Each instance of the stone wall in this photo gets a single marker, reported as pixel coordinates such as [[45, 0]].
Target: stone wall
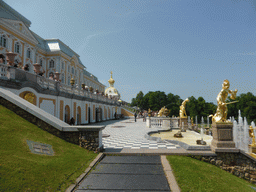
[[239, 164], [91, 137]]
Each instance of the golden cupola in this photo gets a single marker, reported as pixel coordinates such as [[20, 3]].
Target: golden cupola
[[111, 91], [111, 81]]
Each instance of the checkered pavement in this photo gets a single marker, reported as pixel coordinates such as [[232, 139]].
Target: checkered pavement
[[131, 135]]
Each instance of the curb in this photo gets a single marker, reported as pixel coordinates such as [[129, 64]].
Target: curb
[[87, 170], [169, 175]]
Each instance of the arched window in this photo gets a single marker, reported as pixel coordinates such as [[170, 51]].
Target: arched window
[[3, 41], [28, 53], [17, 47], [51, 65], [72, 70], [62, 65], [68, 68]]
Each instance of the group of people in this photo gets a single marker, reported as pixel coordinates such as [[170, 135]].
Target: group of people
[[143, 115]]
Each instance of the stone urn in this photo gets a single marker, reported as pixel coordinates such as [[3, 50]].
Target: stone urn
[[37, 68], [10, 58], [57, 76]]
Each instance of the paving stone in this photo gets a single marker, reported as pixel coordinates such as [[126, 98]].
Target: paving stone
[[127, 182], [132, 159], [128, 169]]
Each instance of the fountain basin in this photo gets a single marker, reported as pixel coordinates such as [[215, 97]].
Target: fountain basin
[[188, 141]]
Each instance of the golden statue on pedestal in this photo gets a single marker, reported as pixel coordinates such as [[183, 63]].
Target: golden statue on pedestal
[[183, 113], [251, 134], [222, 110]]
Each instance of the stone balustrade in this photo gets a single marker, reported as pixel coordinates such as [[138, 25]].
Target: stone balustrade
[[19, 75], [162, 122]]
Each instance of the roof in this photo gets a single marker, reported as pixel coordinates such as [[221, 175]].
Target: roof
[[9, 13]]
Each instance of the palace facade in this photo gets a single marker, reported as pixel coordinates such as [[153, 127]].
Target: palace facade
[[75, 94], [52, 54]]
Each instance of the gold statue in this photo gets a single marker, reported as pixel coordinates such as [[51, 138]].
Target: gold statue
[[251, 134], [192, 122], [222, 110], [183, 113], [163, 111], [149, 112]]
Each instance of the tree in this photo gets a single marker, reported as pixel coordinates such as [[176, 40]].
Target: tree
[[173, 104]]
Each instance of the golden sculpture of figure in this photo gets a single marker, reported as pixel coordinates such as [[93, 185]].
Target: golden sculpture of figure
[[183, 113], [222, 110], [251, 134], [192, 121], [149, 112], [163, 111]]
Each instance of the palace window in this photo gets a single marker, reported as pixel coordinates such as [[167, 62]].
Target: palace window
[[41, 62], [69, 69], [28, 53], [75, 72], [62, 65], [51, 65], [3, 41], [72, 70], [17, 47]]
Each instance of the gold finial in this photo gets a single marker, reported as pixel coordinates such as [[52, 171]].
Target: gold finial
[[111, 73]]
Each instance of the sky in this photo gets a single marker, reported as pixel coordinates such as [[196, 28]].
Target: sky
[[183, 47]]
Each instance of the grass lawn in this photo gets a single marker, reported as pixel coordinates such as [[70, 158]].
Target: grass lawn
[[21, 170], [195, 175]]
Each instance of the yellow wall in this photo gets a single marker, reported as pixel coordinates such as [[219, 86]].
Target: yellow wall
[[126, 113]]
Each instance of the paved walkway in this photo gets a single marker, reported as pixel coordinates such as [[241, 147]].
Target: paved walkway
[[126, 173], [127, 134]]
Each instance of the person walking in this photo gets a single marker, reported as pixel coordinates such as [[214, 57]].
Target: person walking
[[135, 116]]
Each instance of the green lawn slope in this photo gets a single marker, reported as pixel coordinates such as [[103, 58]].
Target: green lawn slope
[[21, 170], [195, 175]]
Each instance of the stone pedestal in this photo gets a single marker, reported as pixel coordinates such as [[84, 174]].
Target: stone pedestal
[[223, 138], [166, 124], [185, 120]]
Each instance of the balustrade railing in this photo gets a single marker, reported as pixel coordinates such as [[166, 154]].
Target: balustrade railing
[[21, 75], [3, 71]]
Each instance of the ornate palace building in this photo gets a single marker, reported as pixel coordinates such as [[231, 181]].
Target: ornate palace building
[[49, 74], [52, 54]]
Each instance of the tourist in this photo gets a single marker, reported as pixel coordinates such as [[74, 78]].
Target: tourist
[[135, 116], [72, 121], [26, 67]]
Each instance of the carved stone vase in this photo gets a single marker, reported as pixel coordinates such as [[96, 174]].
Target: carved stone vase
[[57, 76], [37, 68], [10, 58]]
